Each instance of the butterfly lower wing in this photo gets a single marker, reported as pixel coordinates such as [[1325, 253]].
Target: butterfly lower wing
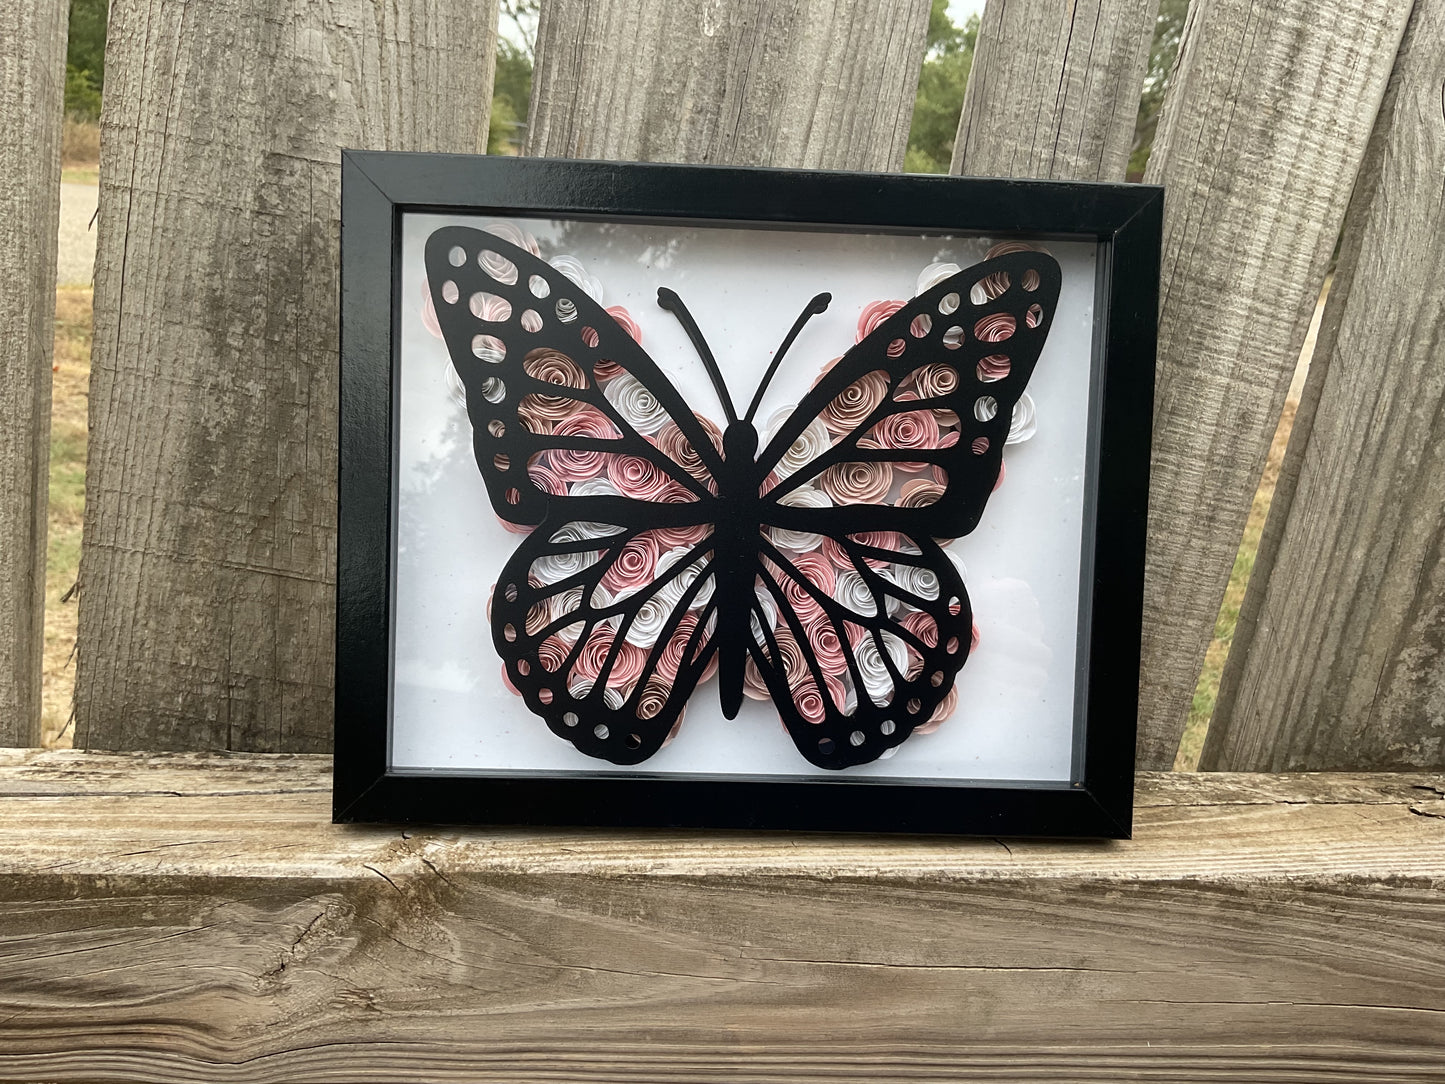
[[541, 363], [856, 666], [927, 396], [606, 649]]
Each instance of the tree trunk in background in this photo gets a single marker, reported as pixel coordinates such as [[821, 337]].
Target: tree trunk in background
[[1054, 90], [1337, 658], [208, 567], [807, 83], [32, 99], [1265, 122]]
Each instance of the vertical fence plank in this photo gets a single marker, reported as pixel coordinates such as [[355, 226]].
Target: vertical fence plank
[[1339, 657], [813, 83], [1054, 90], [32, 96], [1263, 129], [208, 580]]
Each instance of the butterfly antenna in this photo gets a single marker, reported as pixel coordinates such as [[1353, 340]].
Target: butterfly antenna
[[673, 304], [818, 305]]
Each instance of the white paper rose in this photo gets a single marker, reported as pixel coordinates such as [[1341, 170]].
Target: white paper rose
[[572, 267], [675, 588], [933, 274], [808, 446], [877, 680], [635, 403], [1022, 425], [800, 541]]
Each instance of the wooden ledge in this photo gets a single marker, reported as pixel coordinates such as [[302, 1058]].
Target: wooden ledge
[[181, 917]]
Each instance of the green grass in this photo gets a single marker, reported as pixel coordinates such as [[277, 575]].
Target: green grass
[[69, 399]]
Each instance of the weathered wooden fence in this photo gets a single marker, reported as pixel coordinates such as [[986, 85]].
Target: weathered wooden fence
[[195, 917]]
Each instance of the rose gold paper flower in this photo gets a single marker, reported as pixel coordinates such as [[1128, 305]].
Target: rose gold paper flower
[[945, 708], [921, 625], [919, 493], [995, 328], [653, 699], [627, 664], [933, 381], [573, 465], [628, 324], [826, 368], [669, 538], [818, 570], [827, 647], [754, 687], [855, 402], [553, 651], [999, 480], [809, 700], [857, 483], [633, 566], [513, 235], [994, 367], [673, 444]]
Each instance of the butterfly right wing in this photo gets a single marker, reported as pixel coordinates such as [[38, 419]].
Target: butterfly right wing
[[606, 631], [865, 645], [545, 368]]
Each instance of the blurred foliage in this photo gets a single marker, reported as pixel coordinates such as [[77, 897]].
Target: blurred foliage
[[941, 84], [511, 92], [1168, 30], [85, 58]]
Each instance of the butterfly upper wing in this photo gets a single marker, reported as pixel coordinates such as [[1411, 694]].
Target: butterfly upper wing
[[530, 345], [609, 671], [953, 331]]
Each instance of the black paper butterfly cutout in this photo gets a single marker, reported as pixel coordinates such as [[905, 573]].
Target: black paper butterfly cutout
[[506, 315]]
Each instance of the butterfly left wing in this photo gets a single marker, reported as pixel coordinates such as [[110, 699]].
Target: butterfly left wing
[[605, 631]]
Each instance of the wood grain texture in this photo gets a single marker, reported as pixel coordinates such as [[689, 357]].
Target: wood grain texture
[[1054, 90], [208, 570], [190, 918], [811, 83], [1337, 659], [32, 96], [1263, 128]]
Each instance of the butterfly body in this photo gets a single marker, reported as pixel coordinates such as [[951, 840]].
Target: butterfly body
[[650, 568]]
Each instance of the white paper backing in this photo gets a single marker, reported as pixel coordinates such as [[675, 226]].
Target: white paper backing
[[1015, 718]]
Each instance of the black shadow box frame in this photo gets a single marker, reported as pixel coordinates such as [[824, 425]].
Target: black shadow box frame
[[1123, 221]]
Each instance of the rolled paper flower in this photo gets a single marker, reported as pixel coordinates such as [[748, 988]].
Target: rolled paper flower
[[1023, 425], [995, 328], [854, 403], [907, 431], [873, 314], [877, 680], [754, 688], [638, 406], [921, 625], [945, 708], [1008, 248], [673, 656], [490, 307], [769, 609], [806, 447], [627, 663], [552, 653], [601, 486], [827, 646], [555, 567], [850, 591], [957, 564], [498, 267], [818, 570], [637, 477], [808, 699], [514, 235], [857, 483], [544, 478], [999, 480], [572, 267], [552, 368], [507, 681], [933, 274], [918, 580], [429, 311], [627, 323], [632, 566], [456, 390], [919, 493], [884, 540], [652, 700], [973, 639], [612, 697], [673, 444], [573, 464], [791, 655], [649, 621], [564, 604], [933, 381], [826, 368], [516, 528], [804, 605], [994, 367], [675, 588], [684, 537], [800, 541]]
